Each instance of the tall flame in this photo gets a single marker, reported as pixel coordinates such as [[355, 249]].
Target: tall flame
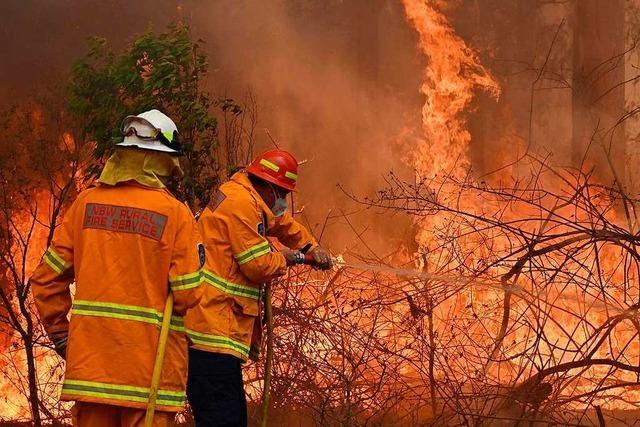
[[451, 79]]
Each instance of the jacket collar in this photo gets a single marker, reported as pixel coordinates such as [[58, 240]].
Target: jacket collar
[[242, 179]]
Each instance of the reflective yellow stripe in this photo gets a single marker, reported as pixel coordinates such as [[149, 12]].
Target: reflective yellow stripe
[[218, 341], [121, 392], [177, 324], [55, 261], [254, 255], [57, 257], [124, 312], [291, 175], [187, 281], [270, 165], [253, 252], [229, 287]]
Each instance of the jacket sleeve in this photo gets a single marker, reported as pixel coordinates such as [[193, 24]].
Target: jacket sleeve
[[187, 259], [291, 233], [252, 250], [52, 278]]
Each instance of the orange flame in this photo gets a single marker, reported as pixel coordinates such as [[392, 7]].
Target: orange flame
[[453, 75], [451, 79]]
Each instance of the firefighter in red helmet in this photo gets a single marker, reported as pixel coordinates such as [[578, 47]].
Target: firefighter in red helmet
[[225, 328]]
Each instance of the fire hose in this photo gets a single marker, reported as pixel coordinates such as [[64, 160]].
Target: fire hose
[[157, 367]]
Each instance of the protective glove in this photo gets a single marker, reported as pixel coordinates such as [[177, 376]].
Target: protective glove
[[292, 257], [60, 345], [321, 258]]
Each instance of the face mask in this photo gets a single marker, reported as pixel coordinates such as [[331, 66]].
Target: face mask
[[280, 205]]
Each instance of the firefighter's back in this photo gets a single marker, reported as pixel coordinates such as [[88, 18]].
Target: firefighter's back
[[123, 240], [126, 244]]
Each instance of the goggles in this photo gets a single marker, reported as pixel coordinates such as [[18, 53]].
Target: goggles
[[169, 139]]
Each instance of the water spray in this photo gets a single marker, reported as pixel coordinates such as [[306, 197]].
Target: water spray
[[416, 274]]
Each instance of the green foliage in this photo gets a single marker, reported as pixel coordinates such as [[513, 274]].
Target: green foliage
[[162, 71]]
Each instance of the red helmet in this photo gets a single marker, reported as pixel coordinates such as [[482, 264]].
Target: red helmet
[[278, 167]]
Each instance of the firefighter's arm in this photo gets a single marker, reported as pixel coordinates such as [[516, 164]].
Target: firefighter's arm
[[51, 281], [187, 259], [291, 233], [251, 250]]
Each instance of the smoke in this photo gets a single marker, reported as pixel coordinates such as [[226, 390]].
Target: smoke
[[40, 39], [336, 82], [565, 79]]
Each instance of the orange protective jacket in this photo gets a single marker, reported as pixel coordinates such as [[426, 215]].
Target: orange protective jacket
[[239, 259], [125, 259]]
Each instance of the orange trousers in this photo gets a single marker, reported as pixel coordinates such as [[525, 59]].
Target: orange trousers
[[97, 415]]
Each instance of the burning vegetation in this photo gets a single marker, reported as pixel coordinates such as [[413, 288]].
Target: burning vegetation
[[514, 302]]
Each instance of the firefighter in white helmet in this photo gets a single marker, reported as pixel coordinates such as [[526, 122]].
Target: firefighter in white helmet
[[126, 243]]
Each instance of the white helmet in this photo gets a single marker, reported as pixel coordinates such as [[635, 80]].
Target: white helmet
[[151, 130]]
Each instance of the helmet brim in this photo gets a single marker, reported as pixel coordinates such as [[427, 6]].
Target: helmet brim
[[132, 141]]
